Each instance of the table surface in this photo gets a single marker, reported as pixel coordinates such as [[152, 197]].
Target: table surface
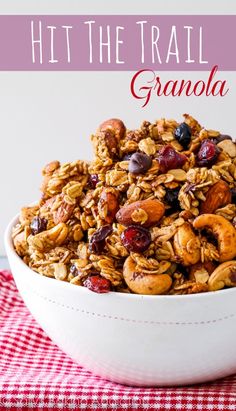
[[36, 374]]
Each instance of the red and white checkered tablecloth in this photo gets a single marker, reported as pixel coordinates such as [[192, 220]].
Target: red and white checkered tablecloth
[[35, 374]]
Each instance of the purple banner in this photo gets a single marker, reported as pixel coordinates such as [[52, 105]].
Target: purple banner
[[117, 42]]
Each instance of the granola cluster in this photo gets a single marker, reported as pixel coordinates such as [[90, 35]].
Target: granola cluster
[[154, 213]]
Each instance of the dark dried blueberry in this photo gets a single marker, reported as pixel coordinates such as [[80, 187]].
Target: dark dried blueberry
[[169, 159], [233, 192], [136, 238], [93, 180], [127, 157], [38, 225], [171, 195], [139, 163], [97, 284], [97, 241], [183, 270], [207, 154], [171, 198], [183, 135], [74, 270], [220, 138]]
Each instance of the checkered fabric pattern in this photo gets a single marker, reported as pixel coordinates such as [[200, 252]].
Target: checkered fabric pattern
[[35, 374]]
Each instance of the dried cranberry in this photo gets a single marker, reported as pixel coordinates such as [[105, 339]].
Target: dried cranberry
[[93, 180], [169, 159], [97, 284], [233, 192], [97, 241], [38, 225], [171, 198], [232, 276], [183, 135], [136, 238], [207, 154], [139, 163]]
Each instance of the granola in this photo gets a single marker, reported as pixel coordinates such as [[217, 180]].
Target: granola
[[153, 213]]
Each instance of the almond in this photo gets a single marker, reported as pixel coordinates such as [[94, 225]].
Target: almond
[[110, 141], [152, 210], [108, 205], [217, 196], [114, 124], [111, 131], [63, 213]]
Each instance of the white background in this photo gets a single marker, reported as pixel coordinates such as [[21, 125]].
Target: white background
[[50, 115]]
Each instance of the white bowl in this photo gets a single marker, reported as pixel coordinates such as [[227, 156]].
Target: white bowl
[[133, 339]]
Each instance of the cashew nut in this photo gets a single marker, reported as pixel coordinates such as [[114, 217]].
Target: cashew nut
[[49, 239], [223, 275], [223, 230], [187, 245], [148, 284]]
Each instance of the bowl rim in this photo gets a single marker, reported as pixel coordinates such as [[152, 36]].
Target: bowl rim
[[11, 250]]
